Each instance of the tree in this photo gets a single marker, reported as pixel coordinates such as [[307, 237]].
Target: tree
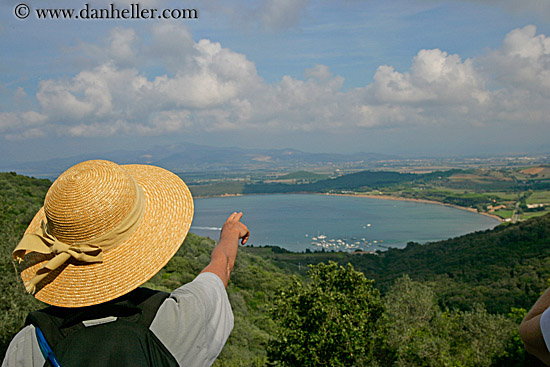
[[419, 333], [330, 321]]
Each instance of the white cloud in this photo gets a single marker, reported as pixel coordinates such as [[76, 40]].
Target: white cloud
[[87, 95], [8, 120], [209, 76], [97, 129], [32, 118], [16, 126], [435, 76], [167, 122], [111, 99], [205, 87], [523, 61], [122, 44]]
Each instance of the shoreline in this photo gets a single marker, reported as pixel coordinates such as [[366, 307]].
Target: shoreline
[[217, 196], [371, 196], [397, 198]]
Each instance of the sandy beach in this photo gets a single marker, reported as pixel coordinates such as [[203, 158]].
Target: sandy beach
[[390, 197]]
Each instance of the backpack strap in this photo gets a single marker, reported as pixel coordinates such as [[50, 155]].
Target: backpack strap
[[47, 352]]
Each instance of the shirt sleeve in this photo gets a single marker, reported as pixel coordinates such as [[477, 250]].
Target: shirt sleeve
[[24, 350], [195, 321], [545, 327]]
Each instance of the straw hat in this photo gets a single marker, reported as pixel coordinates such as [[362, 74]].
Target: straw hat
[[104, 230]]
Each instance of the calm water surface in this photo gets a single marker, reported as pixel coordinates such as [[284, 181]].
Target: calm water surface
[[299, 222]]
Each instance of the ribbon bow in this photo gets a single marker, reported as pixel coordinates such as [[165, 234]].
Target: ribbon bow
[[45, 243], [90, 251]]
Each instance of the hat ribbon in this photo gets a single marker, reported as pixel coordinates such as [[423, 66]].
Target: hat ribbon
[[90, 251]]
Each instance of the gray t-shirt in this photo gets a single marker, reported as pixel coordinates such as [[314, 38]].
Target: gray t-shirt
[[545, 327], [193, 323]]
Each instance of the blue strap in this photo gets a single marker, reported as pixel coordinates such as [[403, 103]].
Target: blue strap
[[47, 352]]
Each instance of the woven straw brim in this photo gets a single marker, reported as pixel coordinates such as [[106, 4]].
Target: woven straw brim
[[168, 216]]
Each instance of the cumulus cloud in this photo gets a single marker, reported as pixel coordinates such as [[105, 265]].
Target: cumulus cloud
[[119, 47], [209, 76], [434, 76], [204, 87], [522, 60], [202, 79]]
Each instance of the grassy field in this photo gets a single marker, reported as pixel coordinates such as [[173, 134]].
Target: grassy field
[[506, 196], [504, 214], [539, 197], [524, 216]]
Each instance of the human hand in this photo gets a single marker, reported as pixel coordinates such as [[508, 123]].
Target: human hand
[[233, 228]]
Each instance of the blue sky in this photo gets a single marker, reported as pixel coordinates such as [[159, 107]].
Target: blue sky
[[400, 77]]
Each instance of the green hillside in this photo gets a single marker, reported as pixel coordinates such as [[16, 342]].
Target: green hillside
[[303, 175], [502, 268]]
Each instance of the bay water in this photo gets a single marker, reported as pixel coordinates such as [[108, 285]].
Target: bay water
[[298, 222]]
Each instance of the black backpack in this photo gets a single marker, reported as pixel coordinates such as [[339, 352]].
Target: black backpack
[[114, 333]]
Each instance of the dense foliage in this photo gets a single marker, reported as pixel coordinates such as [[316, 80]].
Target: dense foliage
[[339, 319], [419, 333], [20, 199], [330, 321]]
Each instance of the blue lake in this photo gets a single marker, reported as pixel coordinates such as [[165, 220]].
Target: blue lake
[[299, 222]]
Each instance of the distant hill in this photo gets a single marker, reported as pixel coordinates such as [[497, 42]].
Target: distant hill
[[188, 157], [303, 175]]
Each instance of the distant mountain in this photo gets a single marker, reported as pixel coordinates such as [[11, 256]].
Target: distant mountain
[[188, 157], [200, 157]]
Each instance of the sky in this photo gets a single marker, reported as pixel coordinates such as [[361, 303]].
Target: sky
[[406, 77]]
